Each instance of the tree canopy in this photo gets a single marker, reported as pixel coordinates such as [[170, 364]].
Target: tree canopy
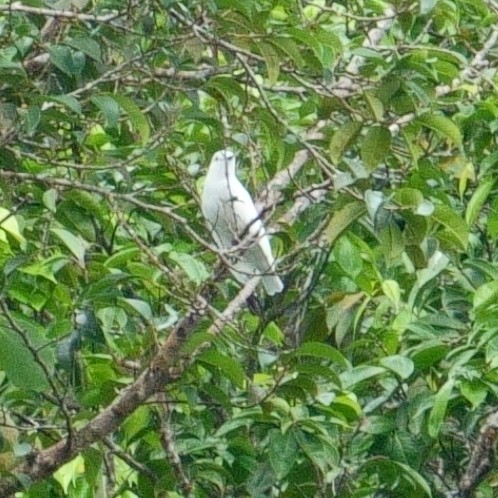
[[132, 364]]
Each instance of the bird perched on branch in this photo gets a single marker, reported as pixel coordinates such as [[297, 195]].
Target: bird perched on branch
[[234, 222]]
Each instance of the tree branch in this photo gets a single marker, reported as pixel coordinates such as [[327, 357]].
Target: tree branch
[[26, 9]]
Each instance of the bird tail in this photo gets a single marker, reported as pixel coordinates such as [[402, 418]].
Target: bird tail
[[272, 284]]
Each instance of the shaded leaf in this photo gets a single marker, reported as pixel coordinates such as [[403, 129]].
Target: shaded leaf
[[272, 61], [375, 146], [109, 108], [322, 351], [224, 365], [18, 361], [407, 481], [193, 267], [137, 117], [456, 230], [343, 139], [342, 219]]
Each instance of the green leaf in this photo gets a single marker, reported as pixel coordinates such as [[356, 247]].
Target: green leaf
[[402, 366], [226, 88], [86, 45], [234, 424], [32, 119], [197, 116], [75, 244], [456, 230], [9, 224], [290, 48], [136, 116], [322, 351], [348, 406], [241, 6], [46, 268], [197, 340], [34, 296], [228, 367], [379, 424], [429, 354], [477, 200], [368, 53], [342, 219], [403, 480], [436, 264], [106, 288], [283, 452], [318, 449], [260, 482], [109, 108], [392, 242], [343, 139], [121, 257], [70, 62], [426, 6], [348, 256], [408, 197], [193, 267], [486, 295], [67, 474], [392, 291], [442, 125], [438, 412], [375, 104], [329, 38], [89, 202], [304, 38], [50, 199], [67, 101], [141, 307], [375, 146], [16, 359], [474, 391], [137, 422], [360, 374], [274, 334], [272, 61]]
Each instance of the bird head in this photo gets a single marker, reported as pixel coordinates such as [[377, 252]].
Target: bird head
[[223, 164]]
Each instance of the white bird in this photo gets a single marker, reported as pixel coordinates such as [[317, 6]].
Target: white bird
[[233, 219]]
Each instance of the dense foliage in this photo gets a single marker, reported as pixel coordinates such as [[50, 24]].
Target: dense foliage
[[131, 364]]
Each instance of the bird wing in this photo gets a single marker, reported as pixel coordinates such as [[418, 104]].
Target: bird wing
[[234, 219], [250, 231]]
